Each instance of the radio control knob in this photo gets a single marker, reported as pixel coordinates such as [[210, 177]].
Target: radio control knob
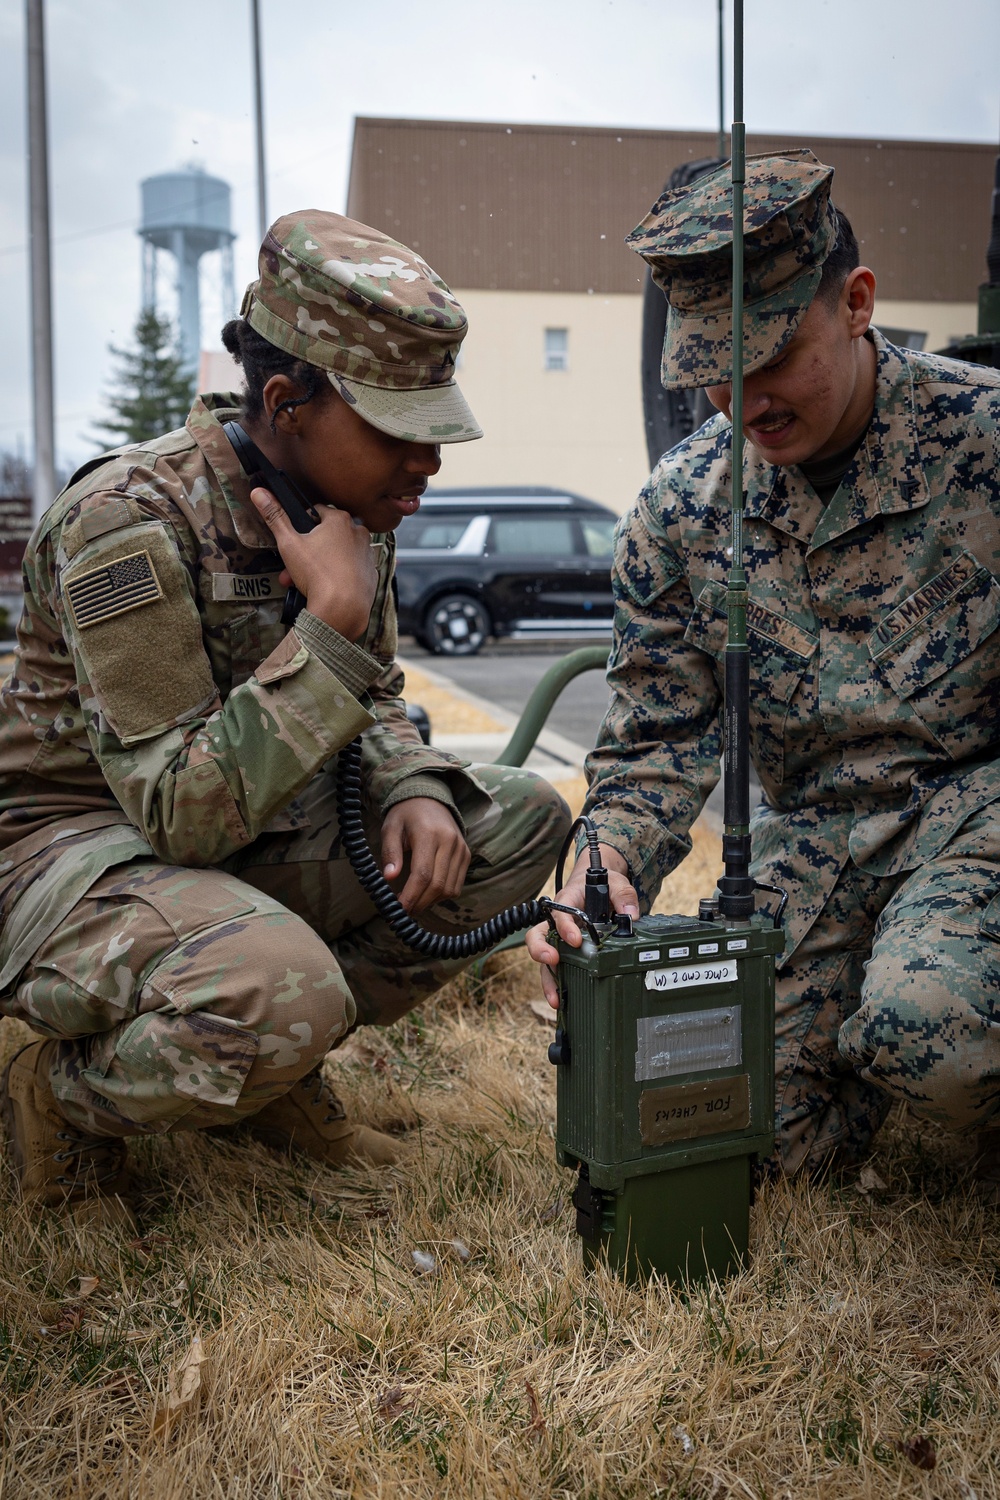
[[559, 1049]]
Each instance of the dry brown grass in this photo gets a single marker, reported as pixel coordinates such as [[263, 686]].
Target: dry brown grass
[[864, 1329], [861, 1342]]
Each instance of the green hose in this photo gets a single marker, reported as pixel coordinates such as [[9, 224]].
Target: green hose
[[539, 705], [529, 727]]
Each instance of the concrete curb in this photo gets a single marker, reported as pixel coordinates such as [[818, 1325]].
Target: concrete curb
[[554, 754]]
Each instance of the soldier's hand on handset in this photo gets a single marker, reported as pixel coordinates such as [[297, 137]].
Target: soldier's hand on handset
[[333, 565], [623, 898]]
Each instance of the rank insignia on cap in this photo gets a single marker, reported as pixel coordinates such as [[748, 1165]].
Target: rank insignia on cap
[[127, 583]]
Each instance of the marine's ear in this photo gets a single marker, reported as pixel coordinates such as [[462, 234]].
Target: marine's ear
[[857, 299]]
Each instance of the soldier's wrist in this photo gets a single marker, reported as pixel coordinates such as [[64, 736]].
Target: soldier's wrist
[[610, 857], [355, 668]]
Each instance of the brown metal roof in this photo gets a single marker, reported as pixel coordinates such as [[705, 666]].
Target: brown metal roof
[[546, 207]]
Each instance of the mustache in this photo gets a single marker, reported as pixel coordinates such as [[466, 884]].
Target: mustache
[[771, 419]]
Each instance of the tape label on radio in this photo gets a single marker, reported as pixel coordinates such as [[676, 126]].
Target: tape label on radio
[[686, 1111], [689, 976], [690, 1041]]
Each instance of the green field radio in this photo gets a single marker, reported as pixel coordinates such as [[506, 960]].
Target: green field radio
[[665, 1092], [665, 1033]]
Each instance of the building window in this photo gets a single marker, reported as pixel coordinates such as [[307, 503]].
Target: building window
[[557, 348]]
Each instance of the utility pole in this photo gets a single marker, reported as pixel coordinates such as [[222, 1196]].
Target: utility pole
[[258, 100], [41, 265]]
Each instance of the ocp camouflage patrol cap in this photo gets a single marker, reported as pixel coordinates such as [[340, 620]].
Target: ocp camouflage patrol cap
[[790, 227], [373, 315]]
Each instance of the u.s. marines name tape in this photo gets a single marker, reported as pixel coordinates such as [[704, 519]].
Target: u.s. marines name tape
[[920, 604]]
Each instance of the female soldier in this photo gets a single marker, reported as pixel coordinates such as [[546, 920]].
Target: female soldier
[[179, 921]]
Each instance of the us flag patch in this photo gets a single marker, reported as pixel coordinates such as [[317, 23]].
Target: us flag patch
[[113, 589]]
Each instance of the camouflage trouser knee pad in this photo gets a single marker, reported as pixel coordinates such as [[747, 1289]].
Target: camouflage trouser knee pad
[[894, 994], [170, 1018], [277, 1015], [928, 1028]]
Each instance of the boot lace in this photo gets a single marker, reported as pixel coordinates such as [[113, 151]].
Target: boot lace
[[323, 1097], [94, 1158]]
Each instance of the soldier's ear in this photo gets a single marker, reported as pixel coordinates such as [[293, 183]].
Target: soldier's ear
[[280, 414], [857, 298]]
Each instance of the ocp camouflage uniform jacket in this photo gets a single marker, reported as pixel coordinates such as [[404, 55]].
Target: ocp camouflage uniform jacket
[[158, 706], [874, 643]]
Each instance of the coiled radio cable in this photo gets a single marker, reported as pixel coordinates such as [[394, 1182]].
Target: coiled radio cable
[[388, 904]]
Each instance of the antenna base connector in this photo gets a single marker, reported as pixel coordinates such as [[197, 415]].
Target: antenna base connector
[[736, 897]]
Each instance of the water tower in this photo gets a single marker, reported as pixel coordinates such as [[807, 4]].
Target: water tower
[[187, 213]]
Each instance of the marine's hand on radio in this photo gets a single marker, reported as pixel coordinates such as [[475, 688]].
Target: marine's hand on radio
[[623, 898], [424, 830], [332, 565]]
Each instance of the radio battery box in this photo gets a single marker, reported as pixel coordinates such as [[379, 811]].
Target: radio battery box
[[665, 1091]]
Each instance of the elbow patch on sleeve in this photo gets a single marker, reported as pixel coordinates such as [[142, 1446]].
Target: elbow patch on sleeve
[[645, 566], [129, 612]]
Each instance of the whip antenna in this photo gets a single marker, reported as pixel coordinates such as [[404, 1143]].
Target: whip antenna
[[664, 1099], [736, 886]]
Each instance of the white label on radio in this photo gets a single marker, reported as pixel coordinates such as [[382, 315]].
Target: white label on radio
[[688, 976], [690, 1041], [679, 953], [648, 955], [738, 945], [708, 947]]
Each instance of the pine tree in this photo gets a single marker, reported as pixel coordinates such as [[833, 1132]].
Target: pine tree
[[152, 391]]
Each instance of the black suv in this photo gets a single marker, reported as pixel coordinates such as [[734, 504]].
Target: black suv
[[522, 563]]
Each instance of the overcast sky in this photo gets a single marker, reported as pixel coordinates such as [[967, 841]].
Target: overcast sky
[[138, 87]]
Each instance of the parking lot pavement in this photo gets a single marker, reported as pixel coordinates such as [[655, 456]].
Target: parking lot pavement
[[505, 675], [477, 727]]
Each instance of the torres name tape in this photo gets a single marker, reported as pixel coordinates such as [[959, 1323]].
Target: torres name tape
[[688, 976], [113, 589]]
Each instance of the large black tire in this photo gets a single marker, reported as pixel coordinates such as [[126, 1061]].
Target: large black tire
[[455, 625]]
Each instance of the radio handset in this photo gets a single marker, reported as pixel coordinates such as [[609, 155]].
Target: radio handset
[[258, 467]]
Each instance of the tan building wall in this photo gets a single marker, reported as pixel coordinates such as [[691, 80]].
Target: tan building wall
[[218, 371], [580, 428], [942, 322]]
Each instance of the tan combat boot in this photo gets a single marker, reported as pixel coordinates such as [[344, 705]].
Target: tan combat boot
[[58, 1164], [311, 1119]]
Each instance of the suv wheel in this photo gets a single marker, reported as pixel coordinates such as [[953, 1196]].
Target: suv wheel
[[455, 625]]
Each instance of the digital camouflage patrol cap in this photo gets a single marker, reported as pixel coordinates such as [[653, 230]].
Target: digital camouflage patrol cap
[[790, 227], [373, 315]]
